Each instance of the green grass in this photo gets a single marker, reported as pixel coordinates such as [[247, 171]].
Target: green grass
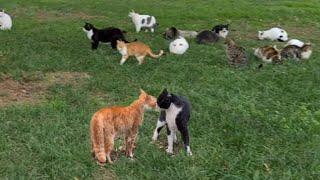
[[245, 124]]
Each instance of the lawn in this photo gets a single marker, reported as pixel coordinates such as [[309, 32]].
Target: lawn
[[246, 123]]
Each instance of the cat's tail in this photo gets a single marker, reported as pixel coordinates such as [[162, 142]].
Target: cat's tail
[[150, 53], [97, 139]]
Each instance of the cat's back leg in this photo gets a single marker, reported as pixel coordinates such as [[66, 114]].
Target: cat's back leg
[[140, 59], [97, 139], [108, 146]]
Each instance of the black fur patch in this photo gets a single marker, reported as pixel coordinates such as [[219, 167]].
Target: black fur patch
[[220, 27], [142, 21], [109, 34], [149, 20]]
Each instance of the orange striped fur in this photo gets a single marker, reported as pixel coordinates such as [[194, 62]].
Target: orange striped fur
[[110, 122]]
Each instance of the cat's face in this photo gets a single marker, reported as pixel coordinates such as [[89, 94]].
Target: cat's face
[[150, 102], [221, 30], [132, 13], [164, 100], [120, 45], [170, 33], [87, 27]]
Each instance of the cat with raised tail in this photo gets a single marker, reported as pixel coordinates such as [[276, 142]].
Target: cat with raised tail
[[111, 122], [5, 21], [137, 49], [175, 115]]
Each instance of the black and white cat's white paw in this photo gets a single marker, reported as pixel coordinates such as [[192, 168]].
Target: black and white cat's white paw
[[169, 150], [189, 153]]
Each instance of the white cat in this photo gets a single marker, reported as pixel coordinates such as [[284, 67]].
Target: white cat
[[295, 42], [143, 21], [5, 21], [273, 34], [179, 46]]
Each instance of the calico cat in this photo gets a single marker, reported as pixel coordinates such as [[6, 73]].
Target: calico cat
[[5, 21], [175, 114], [137, 49], [213, 35], [296, 52], [236, 55], [110, 122], [174, 33], [105, 35], [268, 54]]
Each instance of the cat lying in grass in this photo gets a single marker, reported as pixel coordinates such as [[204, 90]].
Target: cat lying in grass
[[268, 54], [273, 34], [137, 49], [5, 21], [296, 52], [110, 122], [217, 32], [174, 33]]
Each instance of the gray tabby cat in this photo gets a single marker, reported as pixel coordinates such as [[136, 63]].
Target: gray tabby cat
[[236, 55], [296, 52]]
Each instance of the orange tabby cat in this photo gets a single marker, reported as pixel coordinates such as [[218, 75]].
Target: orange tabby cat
[[137, 49], [110, 122]]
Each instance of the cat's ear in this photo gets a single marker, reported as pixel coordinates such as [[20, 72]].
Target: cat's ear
[[164, 91], [142, 91]]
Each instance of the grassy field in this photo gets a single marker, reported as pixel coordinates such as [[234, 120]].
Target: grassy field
[[246, 124]]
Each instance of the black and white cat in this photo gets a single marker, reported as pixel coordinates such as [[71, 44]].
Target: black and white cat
[[105, 35], [213, 36], [175, 114]]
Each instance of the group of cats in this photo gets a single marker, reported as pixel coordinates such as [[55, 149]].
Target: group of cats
[[111, 122], [236, 55]]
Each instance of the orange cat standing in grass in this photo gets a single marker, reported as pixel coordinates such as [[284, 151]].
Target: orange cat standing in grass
[[107, 123], [137, 49]]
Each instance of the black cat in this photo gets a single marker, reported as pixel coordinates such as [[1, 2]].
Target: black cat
[[105, 35], [175, 113]]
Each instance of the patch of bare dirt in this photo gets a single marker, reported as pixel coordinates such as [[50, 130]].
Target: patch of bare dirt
[[44, 16], [52, 15], [32, 88], [103, 174]]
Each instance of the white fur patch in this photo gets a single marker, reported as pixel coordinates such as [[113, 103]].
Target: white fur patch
[[171, 114], [179, 46], [223, 33], [123, 51], [89, 33], [5, 21], [306, 55], [295, 42], [138, 18], [273, 34]]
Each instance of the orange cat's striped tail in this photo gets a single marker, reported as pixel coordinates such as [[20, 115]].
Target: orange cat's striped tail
[[154, 55]]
